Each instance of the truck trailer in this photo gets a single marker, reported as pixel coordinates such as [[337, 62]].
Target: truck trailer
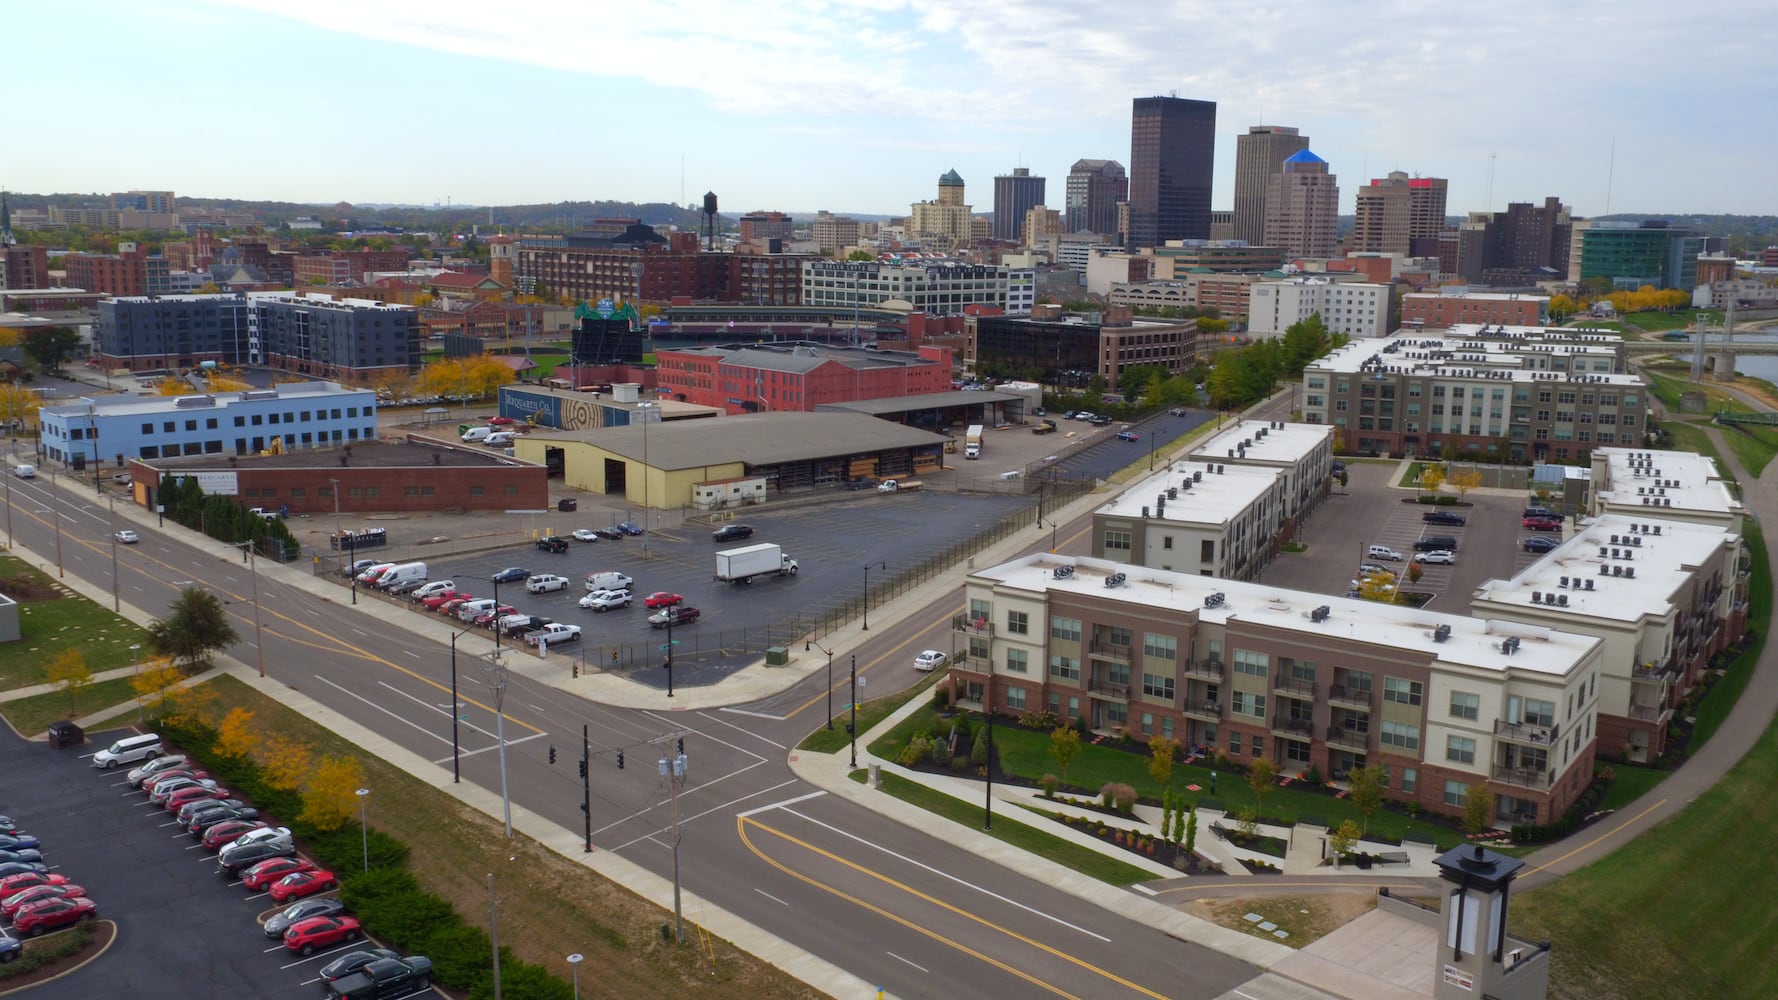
[[743, 564], [972, 442]]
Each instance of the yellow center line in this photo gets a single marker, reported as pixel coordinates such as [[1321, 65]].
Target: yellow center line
[[1609, 833], [742, 822]]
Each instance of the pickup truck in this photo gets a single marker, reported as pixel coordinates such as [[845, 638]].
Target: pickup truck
[[553, 634], [680, 615], [1044, 427], [385, 977], [899, 485]]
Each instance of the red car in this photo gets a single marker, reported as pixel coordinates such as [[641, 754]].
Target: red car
[[305, 936], [37, 894], [225, 832], [25, 880], [192, 794], [488, 618], [1543, 524], [261, 876], [450, 607], [49, 914], [662, 599], [438, 600], [299, 884]]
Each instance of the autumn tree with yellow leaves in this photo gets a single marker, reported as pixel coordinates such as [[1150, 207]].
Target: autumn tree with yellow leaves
[[331, 795]]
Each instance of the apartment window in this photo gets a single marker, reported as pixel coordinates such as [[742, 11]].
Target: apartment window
[[1465, 705], [148, 428], [1065, 628], [1018, 623], [1064, 668], [1259, 746], [1117, 541], [1121, 636], [476, 491], [1160, 647], [1540, 713], [1015, 699], [210, 424], [1400, 734], [1158, 686], [1456, 792], [1235, 743], [1015, 661], [1302, 670], [1410, 780], [1247, 703], [1401, 691], [1460, 749], [981, 611], [1207, 551], [1249, 663]]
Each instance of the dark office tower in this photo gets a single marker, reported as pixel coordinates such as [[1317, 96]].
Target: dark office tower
[[1015, 195], [1259, 155], [1095, 187], [1172, 156]]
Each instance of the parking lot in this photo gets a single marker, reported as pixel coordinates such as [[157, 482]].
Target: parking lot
[[1369, 512], [182, 931]]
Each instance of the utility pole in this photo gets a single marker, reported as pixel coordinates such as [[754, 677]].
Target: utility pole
[[114, 596], [852, 727], [988, 797], [806, 644], [673, 769], [586, 786], [494, 673], [669, 648], [252, 559]]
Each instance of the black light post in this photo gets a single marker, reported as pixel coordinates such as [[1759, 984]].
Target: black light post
[[829, 652], [456, 711], [92, 429], [881, 565], [852, 727], [669, 663], [586, 786], [496, 612], [352, 550]]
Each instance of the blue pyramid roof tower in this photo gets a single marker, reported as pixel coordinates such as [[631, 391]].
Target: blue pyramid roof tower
[[1304, 156]]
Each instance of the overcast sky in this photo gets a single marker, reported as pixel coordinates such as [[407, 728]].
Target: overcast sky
[[859, 107]]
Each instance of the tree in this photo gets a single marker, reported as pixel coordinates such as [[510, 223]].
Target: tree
[[865, 255], [978, 752], [1378, 587], [1160, 760], [1432, 476], [1064, 747], [68, 671], [51, 345], [237, 736], [1367, 791], [331, 796], [284, 762], [1191, 829], [1478, 809], [1261, 778], [209, 288], [1343, 838], [1465, 479], [151, 684], [174, 387], [19, 406], [197, 628]]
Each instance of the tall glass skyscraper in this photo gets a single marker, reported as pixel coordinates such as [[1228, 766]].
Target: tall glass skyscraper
[[1172, 157]]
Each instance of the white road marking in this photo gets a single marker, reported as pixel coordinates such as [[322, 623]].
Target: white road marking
[[381, 709], [771, 897], [731, 725], [780, 805], [688, 819], [898, 958], [496, 746], [756, 715]]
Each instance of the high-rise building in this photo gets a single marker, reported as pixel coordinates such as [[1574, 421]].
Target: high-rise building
[[1041, 223], [1014, 195], [833, 233], [1095, 188], [1259, 156], [1523, 244], [946, 222], [766, 226], [1394, 211], [1632, 254], [158, 202], [1303, 207], [1172, 159]]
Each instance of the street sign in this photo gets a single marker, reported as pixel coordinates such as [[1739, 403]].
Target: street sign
[[669, 645], [606, 308]]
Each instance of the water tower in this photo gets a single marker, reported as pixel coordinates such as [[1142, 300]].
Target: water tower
[[709, 220]]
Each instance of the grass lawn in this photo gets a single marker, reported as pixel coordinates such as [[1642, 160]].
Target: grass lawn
[[1658, 916], [1659, 322], [870, 713], [1411, 477], [1689, 437], [1631, 783], [53, 619], [1026, 838], [33, 715], [550, 905], [1714, 709], [1754, 445]]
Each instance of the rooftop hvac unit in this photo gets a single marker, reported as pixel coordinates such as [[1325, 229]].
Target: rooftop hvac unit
[[1062, 572], [1320, 614], [1616, 570], [1664, 501], [1198, 477], [1231, 453], [1589, 584], [1564, 583], [1219, 471], [1657, 529], [1172, 493], [1629, 572], [1604, 570], [1509, 645], [1145, 513], [1441, 633], [1214, 600], [1537, 597], [1562, 600], [1115, 580], [1645, 501], [1637, 543]]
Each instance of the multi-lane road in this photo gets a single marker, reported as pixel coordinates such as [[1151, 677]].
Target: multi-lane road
[[900, 908]]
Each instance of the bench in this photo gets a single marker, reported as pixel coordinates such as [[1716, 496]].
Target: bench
[[1221, 831], [1394, 857]]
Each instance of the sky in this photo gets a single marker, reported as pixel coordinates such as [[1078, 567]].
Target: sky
[[1626, 106]]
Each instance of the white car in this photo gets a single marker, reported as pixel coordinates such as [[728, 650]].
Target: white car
[[128, 537], [931, 659], [543, 583], [585, 535], [425, 590], [605, 600], [1442, 557]]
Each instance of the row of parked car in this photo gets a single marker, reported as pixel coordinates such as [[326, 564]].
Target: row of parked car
[[263, 858], [34, 900]]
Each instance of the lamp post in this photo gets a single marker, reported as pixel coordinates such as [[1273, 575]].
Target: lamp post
[[57, 512], [363, 830], [494, 933], [806, 644], [988, 796], [574, 961], [92, 431], [494, 673], [673, 769], [456, 713], [115, 600], [852, 727], [496, 614], [136, 664], [881, 565]]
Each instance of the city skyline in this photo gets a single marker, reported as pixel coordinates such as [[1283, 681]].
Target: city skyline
[[798, 107]]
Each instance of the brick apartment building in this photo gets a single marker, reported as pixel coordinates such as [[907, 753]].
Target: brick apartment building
[[798, 377], [1433, 311], [119, 274]]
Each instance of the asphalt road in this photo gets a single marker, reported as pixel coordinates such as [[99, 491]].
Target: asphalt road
[[899, 907]]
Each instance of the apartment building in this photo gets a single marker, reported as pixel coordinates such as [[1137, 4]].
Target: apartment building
[[1252, 670], [1354, 308], [939, 287], [1301, 453], [1672, 485], [1203, 518], [1181, 258], [834, 233], [1432, 310], [1055, 346], [1394, 211], [1549, 395]]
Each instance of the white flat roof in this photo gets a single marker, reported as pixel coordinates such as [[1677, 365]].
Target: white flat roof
[[1484, 296], [1473, 642], [1466, 352], [1213, 499], [1276, 445], [110, 406], [1660, 554], [1688, 479]]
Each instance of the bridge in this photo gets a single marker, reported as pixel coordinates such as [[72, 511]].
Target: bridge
[[1730, 417], [1685, 348]]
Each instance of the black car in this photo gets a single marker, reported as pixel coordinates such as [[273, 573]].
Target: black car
[[731, 533], [552, 543], [609, 532], [1444, 517], [866, 483], [1536, 511], [352, 961], [242, 858], [302, 910], [630, 528], [205, 820], [511, 574], [1431, 542], [1540, 543]]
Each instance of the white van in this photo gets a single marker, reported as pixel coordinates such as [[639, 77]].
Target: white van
[[480, 606], [25, 471], [1383, 552], [499, 439], [370, 575], [128, 750], [426, 590], [475, 434], [608, 580], [414, 573]]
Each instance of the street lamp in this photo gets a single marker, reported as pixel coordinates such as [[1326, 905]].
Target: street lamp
[[806, 644], [494, 674], [115, 600], [456, 713], [881, 565], [852, 727], [988, 797], [363, 830], [57, 511], [574, 961], [92, 431]]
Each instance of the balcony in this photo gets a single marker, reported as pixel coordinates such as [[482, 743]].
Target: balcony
[[971, 626], [1109, 689], [1352, 739], [1650, 713], [972, 664], [1113, 650], [1203, 711], [1302, 729], [1524, 777], [1653, 673], [1521, 732], [1339, 694], [1205, 669], [1292, 687]]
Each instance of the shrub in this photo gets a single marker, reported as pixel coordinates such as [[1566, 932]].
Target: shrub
[[941, 697], [1313, 775], [959, 764], [1119, 796], [940, 750], [1106, 795], [919, 746], [1049, 783], [1247, 821], [978, 754]]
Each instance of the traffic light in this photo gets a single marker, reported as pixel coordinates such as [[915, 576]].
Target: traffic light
[[552, 755], [583, 768], [576, 668], [681, 746], [620, 760]]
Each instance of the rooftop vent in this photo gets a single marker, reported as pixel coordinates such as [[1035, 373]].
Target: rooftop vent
[[1562, 600], [1062, 572], [1219, 471], [1509, 645], [1320, 614], [1115, 580], [1537, 597], [1441, 633], [1629, 572], [1589, 584], [1564, 583], [1215, 600]]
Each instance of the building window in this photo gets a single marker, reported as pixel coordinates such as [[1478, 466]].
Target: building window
[[1117, 541], [1064, 668], [476, 491], [1160, 647], [1251, 664], [1067, 629], [1400, 734], [1247, 703], [1401, 691], [981, 611], [1460, 749], [1540, 713], [1234, 743], [1015, 699], [1456, 792], [1018, 623], [1157, 686], [1410, 780], [1465, 705], [1015, 661], [1121, 636], [1302, 670], [148, 428]]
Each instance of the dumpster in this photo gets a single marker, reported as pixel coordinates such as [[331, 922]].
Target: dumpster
[[568, 505], [65, 734]]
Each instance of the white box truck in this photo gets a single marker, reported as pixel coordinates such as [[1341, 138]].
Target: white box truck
[[743, 564], [972, 442]]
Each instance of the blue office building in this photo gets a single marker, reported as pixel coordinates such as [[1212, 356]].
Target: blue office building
[[294, 416]]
